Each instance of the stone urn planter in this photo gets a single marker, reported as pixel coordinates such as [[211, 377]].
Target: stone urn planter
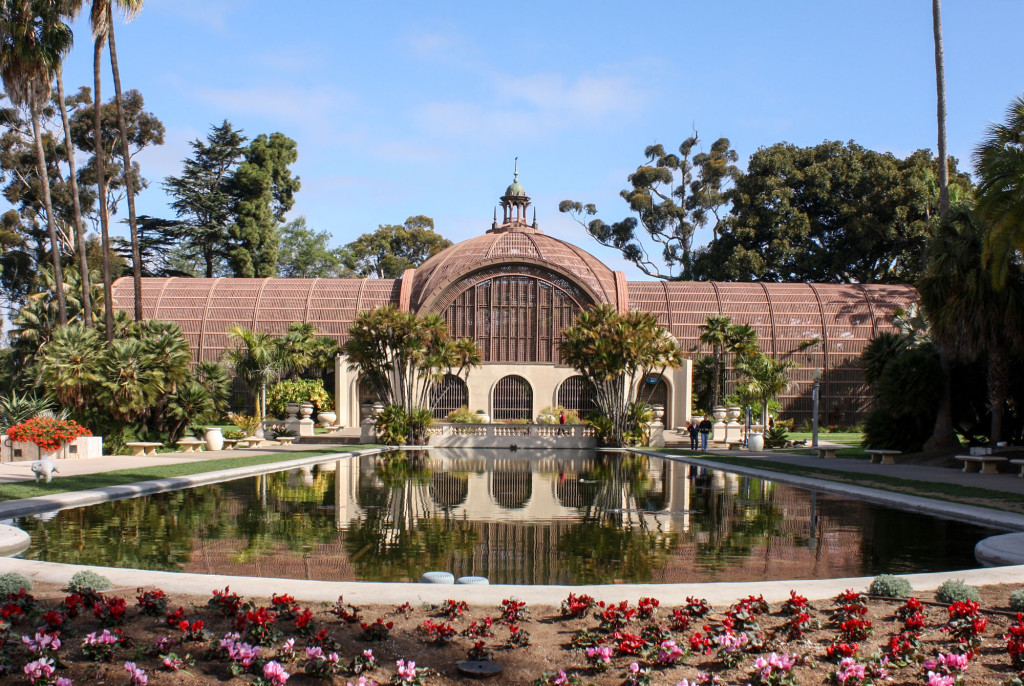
[[484, 417], [718, 413], [306, 410], [327, 419], [755, 442], [734, 413], [214, 438], [291, 410]]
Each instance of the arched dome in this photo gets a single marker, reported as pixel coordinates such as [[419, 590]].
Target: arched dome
[[520, 249]]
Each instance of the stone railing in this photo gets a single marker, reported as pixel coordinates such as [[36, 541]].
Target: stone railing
[[521, 435]]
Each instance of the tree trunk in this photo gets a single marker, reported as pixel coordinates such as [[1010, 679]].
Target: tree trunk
[[51, 224], [83, 262], [943, 437], [97, 124], [127, 158], [716, 378], [998, 391], [940, 91]]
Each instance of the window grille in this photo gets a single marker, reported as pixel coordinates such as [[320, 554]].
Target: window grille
[[449, 395], [513, 398], [577, 394]]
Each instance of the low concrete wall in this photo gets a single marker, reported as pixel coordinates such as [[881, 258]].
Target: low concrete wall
[[81, 448]]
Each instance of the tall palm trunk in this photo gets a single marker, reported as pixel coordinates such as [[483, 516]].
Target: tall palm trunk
[[108, 290], [127, 160], [998, 390], [51, 224], [940, 92], [83, 262]]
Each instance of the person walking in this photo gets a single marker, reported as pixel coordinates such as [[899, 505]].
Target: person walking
[[561, 422], [691, 428], [705, 430]]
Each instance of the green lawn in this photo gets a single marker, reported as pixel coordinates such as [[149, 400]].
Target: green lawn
[[981, 497], [852, 438], [29, 489]]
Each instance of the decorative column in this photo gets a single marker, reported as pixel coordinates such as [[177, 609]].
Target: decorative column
[[340, 388]]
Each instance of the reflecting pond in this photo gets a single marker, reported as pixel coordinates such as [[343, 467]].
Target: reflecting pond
[[537, 517]]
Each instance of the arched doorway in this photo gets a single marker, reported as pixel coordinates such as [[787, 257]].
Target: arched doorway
[[654, 391], [513, 399], [448, 395], [577, 394]]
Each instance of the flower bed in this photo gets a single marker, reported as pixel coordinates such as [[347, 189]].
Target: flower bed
[[149, 638], [47, 433]]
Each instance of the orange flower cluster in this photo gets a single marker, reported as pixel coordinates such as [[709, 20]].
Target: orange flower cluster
[[46, 432]]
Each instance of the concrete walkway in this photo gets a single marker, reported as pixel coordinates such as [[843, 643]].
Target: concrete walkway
[[19, 471]]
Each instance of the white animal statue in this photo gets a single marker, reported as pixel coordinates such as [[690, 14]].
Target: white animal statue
[[43, 469]]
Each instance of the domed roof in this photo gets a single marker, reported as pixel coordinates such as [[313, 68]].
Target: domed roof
[[521, 249], [515, 190]]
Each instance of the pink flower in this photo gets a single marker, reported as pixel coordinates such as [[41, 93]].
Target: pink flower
[[39, 669], [603, 653], [313, 652], [940, 679], [406, 670], [363, 681], [106, 638], [275, 674], [42, 641], [62, 681], [562, 679], [136, 676]]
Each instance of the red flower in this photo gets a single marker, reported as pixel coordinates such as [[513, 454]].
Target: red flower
[[47, 433]]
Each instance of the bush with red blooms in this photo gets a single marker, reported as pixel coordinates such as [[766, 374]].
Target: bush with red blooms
[[47, 433]]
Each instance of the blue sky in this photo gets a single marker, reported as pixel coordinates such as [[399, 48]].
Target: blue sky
[[403, 108]]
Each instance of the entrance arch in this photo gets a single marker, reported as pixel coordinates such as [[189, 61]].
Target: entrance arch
[[577, 394], [654, 390], [512, 398]]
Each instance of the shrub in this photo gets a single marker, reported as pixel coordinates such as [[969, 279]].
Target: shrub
[[464, 416], [956, 591], [1017, 601], [235, 435], [890, 586], [244, 422], [12, 582], [47, 433], [776, 437], [571, 416], [88, 580], [297, 391]]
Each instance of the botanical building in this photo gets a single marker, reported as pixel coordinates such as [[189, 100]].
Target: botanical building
[[514, 290]]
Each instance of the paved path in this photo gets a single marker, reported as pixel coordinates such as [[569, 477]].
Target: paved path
[[19, 471]]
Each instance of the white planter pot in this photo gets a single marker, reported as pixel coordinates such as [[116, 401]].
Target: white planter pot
[[327, 418], [755, 442], [214, 438]]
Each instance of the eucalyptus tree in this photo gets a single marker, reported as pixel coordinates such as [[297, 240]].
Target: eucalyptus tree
[[672, 196], [616, 352], [33, 42], [999, 161]]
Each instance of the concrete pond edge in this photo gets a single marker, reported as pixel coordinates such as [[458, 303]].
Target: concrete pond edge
[[363, 592]]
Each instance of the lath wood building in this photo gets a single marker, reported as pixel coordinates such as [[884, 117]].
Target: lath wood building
[[514, 290]]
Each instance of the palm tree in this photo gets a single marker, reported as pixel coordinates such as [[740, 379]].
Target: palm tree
[[33, 42], [68, 369], [1000, 166], [940, 92], [256, 358], [715, 333], [130, 9], [970, 316], [766, 379], [100, 26]]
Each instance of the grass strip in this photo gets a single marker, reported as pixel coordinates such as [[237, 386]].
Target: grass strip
[[955, 493], [81, 482]]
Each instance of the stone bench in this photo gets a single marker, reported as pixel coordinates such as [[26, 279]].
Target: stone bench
[[827, 453], [250, 442], [285, 440], [1019, 463], [982, 464], [879, 456], [230, 443], [191, 445], [143, 448]]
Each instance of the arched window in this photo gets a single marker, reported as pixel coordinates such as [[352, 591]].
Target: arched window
[[513, 398], [576, 393], [513, 318], [654, 391], [449, 395]]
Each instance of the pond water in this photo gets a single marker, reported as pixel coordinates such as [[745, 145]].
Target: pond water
[[559, 517]]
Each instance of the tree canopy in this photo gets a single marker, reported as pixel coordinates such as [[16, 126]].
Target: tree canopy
[[393, 248]]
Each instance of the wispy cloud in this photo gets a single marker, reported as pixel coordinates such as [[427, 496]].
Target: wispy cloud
[[212, 14], [281, 103]]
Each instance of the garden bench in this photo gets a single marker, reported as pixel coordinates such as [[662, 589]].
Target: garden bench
[[191, 445], [982, 464], [734, 445], [143, 448], [1019, 463], [230, 443], [251, 442], [827, 453], [883, 456], [286, 440]]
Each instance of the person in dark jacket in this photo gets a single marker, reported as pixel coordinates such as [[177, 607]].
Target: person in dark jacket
[[691, 429], [705, 430]]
